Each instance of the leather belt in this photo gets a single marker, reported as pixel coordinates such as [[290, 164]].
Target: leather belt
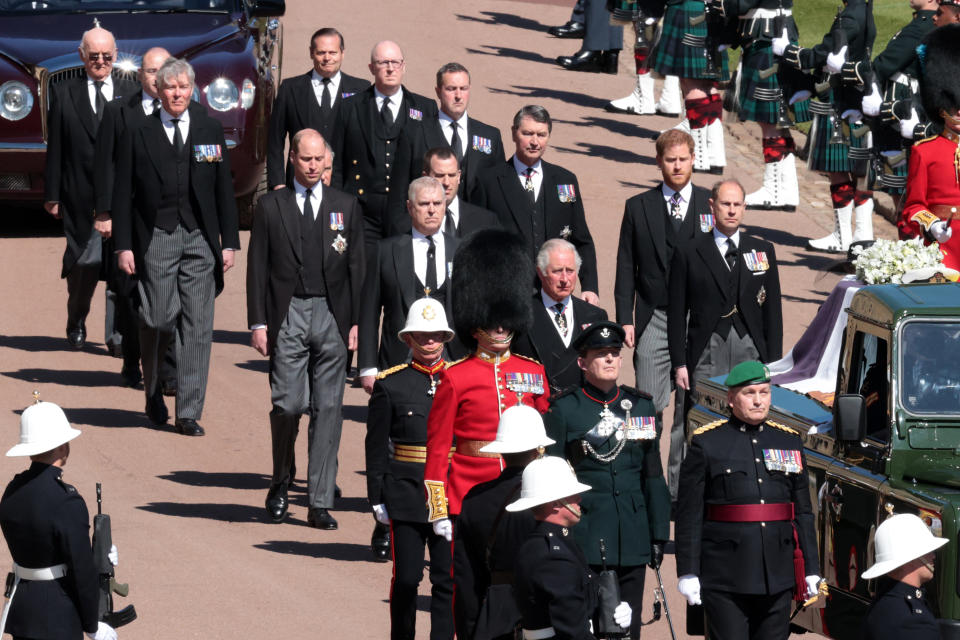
[[750, 512], [44, 573], [472, 448], [730, 313], [539, 634], [946, 211], [412, 453]]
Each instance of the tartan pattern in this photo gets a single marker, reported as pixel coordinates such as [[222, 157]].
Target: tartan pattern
[[757, 56], [831, 158], [882, 177], [671, 57]]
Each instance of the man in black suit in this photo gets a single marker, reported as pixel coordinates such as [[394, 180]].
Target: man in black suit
[[373, 120], [304, 279], [538, 200], [559, 317], [175, 226], [76, 108], [655, 224], [727, 283], [310, 101], [406, 267]]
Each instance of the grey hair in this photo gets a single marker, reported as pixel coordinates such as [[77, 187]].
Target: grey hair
[[536, 113], [421, 183], [555, 244], [173, 68]]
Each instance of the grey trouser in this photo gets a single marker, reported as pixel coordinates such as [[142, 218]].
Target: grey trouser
[[599, 35], [177, 290], [307, 375], [82, 282]]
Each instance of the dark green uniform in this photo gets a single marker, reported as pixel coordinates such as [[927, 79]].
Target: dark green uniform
[[628, 506]]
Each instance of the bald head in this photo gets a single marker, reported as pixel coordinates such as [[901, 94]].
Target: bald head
[[98, 50], [387, 67], [308, 152], [153, 59]]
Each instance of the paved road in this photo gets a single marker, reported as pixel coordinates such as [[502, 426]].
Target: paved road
[[188, 513]]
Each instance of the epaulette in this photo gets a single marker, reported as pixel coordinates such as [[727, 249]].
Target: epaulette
[[930, 139], [556, 396], [527, 358], [709, 426], [384, 374], [783, 427], [636, 392], [450, 364], [69, 488]]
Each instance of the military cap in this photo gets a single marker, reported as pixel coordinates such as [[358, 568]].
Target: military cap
[[600, 335], [748, 372]]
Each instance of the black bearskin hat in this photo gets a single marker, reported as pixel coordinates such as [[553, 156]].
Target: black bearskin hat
[[492, 284], [940, 58]]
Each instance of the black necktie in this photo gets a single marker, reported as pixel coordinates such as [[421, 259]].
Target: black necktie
[[325, 101], [308, 206], [99, 99], [385, 114], [177, 136], [156, 105], [560, 319], [448, 226], [431, 284], [455, 142], [731, 254]]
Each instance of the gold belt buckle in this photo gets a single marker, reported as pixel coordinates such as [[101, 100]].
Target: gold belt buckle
[[730, 313]]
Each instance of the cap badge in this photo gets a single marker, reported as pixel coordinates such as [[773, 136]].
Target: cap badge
[[428, 313], [605, 333]]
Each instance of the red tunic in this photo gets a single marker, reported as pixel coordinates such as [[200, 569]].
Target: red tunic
[[466, 407], [932, 180]]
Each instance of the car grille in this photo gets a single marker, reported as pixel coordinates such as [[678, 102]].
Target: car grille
[[14, 182], [56, 77]]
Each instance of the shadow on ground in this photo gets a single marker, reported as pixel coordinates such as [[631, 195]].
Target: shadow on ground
[[112, 418], [571, 97], [259, 366], [343, 551], [507, 19], [227, 480], [68, 377], [208, 511], [509, 52]]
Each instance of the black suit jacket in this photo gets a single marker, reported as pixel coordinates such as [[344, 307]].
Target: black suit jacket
[[391, 286], [472, 218], [543, 343], [70, 168], [647, 244], [275, 259], [138, 187], [698, 285], [296, 108], [500, 191]]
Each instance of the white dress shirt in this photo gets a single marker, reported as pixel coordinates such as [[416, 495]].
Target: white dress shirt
[[146, 102], [453, 210], [445, 121], [537, 175], [721, 241], [317, 81], [685, 194], [316, 195], [420, 247], [395, 100], [184, 124], [106, 90], [550, 304]]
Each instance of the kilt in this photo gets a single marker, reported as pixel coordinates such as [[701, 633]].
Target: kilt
[[758, 98], [852, 155], [680, 48]]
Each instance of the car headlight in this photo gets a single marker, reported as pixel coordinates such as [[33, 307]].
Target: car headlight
[[248, 94], [222, 94], [16, 100]]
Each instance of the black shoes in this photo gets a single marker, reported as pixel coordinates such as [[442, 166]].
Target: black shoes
[[321, 519], [156, 410], [188, 427], [76, 337], [569, 30], [597, 61], [277, 503], [380, 542]]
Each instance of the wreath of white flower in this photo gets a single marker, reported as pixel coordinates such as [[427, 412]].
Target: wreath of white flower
[[886, 261]]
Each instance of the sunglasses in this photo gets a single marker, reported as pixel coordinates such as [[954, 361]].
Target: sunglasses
[[106, 57]]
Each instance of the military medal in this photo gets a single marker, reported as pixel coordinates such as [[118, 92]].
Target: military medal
[[565, 232], [761, 295], [347, 94], [336, 221], [484, 145], [785, 460], [756, 261], [521, 383], [706, 222], [432, 370], [415, 114], [641, 428], [566, 193], [609, 425], [339, 244]]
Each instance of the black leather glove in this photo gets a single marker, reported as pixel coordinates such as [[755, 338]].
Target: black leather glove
[[656, 555]]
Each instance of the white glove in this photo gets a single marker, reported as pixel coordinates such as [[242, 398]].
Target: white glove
[[444, 527], [872, 101], [380, 513], [813, 584], [689, 586], [623, 615], [780, 44], [941, 231], [906, 126], [722, 47], [113, 556], [852, 116], [104, 632], [835, 60], [800, 96]]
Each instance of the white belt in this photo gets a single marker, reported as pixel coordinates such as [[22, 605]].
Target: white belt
[[23, 573], [759, 13], [904, 80], [539, 634]]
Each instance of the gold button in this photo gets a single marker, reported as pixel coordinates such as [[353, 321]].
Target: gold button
[[953, 209], [763, 524], [409, 413], [388, 141], [359, 192], [754, 441], [760, 480], [354, 162], [756, 459], [356, 177], [387, 189], [388, 165], [728, 470], [762, 501]]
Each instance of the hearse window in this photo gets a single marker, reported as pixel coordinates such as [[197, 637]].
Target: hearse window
[[870, 378], [90, 6], [930, 367]]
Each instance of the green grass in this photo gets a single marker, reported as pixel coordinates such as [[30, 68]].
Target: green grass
[[814, 18]]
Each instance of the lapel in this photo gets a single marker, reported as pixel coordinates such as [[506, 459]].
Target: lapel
[[655, 214], [307, 107], [433, 134], [403, 266], [714, 262], [516, 198], [450, 245], [544, 337], [691, 223], [368, 112], [548, 190], [81, 101], [289, 216], [154, 138], [746, 276], [322, 231]]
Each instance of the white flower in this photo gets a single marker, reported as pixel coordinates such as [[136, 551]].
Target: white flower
[[887, 260]]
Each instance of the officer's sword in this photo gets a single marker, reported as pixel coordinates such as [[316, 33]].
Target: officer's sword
[[822, 592], [666, 607]]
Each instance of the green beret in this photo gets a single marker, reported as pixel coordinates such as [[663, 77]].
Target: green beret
[[600, 335], [749, 372]]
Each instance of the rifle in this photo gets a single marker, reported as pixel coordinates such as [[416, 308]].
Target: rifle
[[102, 542], [609, 599]]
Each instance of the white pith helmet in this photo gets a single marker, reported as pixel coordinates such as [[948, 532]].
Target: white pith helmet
[[426, 315], [544, 480], [521, 429], [898, 540], [43, 427]]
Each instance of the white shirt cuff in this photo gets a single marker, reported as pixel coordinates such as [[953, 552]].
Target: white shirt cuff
[[369, 371], [257, 326]]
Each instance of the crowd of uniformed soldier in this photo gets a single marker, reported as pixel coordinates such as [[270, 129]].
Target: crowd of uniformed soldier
[[386, 206]]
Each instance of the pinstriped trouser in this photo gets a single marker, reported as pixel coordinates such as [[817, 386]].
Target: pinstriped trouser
[[177, 290]]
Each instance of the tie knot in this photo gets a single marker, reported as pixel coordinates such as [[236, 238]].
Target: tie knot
[[175, 121], [98, 84], [386, 101], [430, 241], [558, 307], [155, 103], [454, 125], [308, 193], [325, 81], [675, 198], [529, 172]]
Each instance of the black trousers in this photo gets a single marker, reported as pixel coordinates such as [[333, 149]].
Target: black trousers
[[737, 616], [407, 541], [631, 581]]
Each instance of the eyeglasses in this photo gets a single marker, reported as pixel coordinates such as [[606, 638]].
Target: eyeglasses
[[106, 57], [386, 64]]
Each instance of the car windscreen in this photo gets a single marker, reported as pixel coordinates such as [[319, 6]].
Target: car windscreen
[[930, 368], [98, 6]]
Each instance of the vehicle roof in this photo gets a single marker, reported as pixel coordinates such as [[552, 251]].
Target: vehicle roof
[[909, 299]]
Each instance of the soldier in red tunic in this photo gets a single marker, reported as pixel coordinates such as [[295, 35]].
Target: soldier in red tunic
[[492, 279], [932, 198]]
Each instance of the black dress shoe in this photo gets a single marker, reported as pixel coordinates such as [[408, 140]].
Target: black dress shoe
[[277, 503], [115, 350], [156, 410], [597, 61], [569, 30], [188, 427], [76, 338], [380, 542], [131, 376], [169, 388], [321, 519]]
